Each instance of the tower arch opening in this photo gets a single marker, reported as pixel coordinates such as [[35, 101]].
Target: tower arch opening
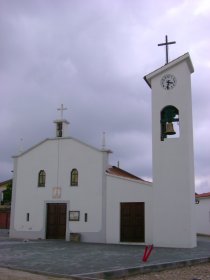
[[169, 123]]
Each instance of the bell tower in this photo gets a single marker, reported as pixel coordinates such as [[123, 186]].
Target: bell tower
[[61, 125], [173, 157]]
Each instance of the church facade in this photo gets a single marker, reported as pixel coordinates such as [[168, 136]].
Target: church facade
[[63, 187], [68, 187]]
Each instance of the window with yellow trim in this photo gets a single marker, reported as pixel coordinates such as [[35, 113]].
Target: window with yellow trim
[[41, 178], [74, 177]]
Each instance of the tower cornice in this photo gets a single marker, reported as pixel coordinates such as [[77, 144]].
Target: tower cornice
[[185, 57]]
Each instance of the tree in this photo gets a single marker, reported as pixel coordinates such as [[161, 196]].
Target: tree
[[7, 194]]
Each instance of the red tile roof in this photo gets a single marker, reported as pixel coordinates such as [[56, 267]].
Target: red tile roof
[[113, 170], [203, 195]]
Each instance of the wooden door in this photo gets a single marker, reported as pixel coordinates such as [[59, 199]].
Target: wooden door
[[132, 222], [4, 219], [56, 221]]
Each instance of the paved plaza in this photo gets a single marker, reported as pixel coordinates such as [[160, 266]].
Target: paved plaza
[[95, 261]]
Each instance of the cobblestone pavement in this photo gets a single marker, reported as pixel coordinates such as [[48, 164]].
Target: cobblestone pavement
[[96, 261]]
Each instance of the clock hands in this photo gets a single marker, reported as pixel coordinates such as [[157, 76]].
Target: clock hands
[[168, 83]]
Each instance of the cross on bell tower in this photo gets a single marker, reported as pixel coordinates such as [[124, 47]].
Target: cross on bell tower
[[166, 44]]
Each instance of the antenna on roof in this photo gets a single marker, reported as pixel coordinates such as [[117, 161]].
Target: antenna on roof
[[21, 146], [103, 140], [103, 146], [118, 164]]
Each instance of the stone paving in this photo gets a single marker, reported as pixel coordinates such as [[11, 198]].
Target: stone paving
[[95, 261]]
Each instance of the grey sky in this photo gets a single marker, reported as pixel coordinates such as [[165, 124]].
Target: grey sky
[[91, 55]]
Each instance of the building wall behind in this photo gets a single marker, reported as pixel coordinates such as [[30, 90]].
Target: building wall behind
[[125, 190], [203, 216]]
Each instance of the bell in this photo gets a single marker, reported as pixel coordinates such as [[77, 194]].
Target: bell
[[169, 129]]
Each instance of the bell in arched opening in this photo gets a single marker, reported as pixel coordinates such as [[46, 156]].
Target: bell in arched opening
[[170, 129]]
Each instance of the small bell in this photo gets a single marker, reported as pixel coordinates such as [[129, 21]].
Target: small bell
[[169, 129]]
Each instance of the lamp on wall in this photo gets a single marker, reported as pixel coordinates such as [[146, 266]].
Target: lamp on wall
[[197, 201]]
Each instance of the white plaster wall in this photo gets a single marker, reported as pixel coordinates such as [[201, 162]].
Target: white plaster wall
[[29, 197], [203, 216], [173, 165], [125, 190], [58, 157], [87, 197]]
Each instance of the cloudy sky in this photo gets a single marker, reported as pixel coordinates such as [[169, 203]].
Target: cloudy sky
[[91, 55]]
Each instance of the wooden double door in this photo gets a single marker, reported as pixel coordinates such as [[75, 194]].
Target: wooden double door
[[56, 221], [132, 222]]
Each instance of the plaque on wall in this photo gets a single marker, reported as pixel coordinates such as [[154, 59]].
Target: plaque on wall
[[56, 192], [74, 215]]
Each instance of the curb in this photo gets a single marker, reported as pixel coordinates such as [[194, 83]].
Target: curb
[[113, 274]]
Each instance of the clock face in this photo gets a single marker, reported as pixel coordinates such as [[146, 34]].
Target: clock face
[[168, 81]]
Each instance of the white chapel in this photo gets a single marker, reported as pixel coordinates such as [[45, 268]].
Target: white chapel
[[63, 187]]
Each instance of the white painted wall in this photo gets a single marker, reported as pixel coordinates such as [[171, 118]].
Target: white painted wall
[[126, 190], [57, 157], [203, 216]]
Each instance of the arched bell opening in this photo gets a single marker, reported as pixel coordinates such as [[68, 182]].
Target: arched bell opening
[[169, 120]]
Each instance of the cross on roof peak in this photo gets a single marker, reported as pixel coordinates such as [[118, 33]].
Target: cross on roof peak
[[61, 109], [166, 44]]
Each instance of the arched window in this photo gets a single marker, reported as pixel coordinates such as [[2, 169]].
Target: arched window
[[74, 177], [169, 121], [41, 178]]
